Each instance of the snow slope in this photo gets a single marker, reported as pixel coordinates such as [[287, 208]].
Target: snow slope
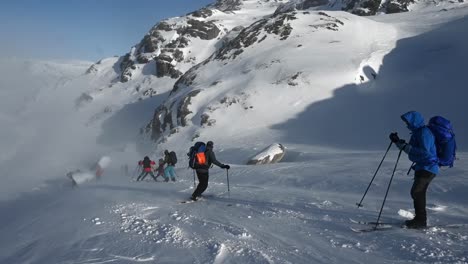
[[333, 122], [291, 212]]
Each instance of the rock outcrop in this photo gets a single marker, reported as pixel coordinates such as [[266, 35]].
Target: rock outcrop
[[271, 154]]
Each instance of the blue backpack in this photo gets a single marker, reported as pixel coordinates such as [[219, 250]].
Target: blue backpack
[[197, 157], [445, 143]]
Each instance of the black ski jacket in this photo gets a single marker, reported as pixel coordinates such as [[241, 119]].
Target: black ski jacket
[[211, 159]]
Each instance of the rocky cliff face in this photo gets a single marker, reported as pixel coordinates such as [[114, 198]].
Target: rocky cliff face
[[178, 111], [168, 44], [177, 48], [372, 7], [357, 7], [177, 44]]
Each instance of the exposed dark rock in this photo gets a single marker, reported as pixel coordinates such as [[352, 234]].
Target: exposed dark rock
[[250, 35], [164, 68], [290, 80], [125, 62], [280, 27], [229, 101], [150, 92], [200, 29], [272, 154], [178, 55], [397, 6], [162, 121], [183, 42], [144, 58], [228, 5], [164, 26], [206, 121], [183, 110], [246, 37], [157, 124], [215, 83], [92, 69], [371, 7], [150, 42], [165, 57], [204, 13], [126, 66], [186, 79], [83, 99], [331, 23], [302, 5]]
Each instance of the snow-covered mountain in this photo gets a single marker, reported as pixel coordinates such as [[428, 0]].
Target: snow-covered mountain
[[302, 66], [263, 43], [326, 84]]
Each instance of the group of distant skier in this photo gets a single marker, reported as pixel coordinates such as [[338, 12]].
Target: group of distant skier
[[201, 158], [430, 146], [168, 172]]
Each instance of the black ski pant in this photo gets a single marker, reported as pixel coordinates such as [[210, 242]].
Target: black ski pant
[[422, 179], [145, 174], [202, 176]]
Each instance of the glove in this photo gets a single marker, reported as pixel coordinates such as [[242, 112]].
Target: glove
[[227, 167], [401, 144], [394, 137]]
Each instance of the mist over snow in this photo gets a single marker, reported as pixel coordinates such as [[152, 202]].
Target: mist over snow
[[327, 85]]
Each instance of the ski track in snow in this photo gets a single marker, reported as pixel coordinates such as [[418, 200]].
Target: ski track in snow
[[143, 221], [243, 235]]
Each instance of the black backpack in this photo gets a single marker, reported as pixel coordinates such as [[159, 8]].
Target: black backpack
[[197, 157], [173, 157], [146, 163]]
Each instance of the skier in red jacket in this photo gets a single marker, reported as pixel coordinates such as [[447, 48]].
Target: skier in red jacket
[[147, 168]]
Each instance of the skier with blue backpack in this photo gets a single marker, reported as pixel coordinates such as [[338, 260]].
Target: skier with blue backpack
[[201, 158], [429, 148]]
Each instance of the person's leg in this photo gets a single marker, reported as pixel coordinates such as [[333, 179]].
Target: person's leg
[[152, 175], [138, 179], [422, 179], [159, 174], [166, 174], [172, 173], [202, 183], [144, 176]]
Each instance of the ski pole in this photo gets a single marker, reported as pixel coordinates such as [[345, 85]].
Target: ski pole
[[135, 171], [193, 179], [370, 183], [409, 170], [388, 188], [227, 176]]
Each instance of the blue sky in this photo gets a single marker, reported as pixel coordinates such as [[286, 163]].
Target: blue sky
[[81, 29]]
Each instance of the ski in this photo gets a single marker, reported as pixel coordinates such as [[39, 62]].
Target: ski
[[188, 201], [380, 226], [367, 230], [386, 226], [371, 223]]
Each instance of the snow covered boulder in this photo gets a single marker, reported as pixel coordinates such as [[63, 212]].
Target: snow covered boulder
[[272, 154]]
